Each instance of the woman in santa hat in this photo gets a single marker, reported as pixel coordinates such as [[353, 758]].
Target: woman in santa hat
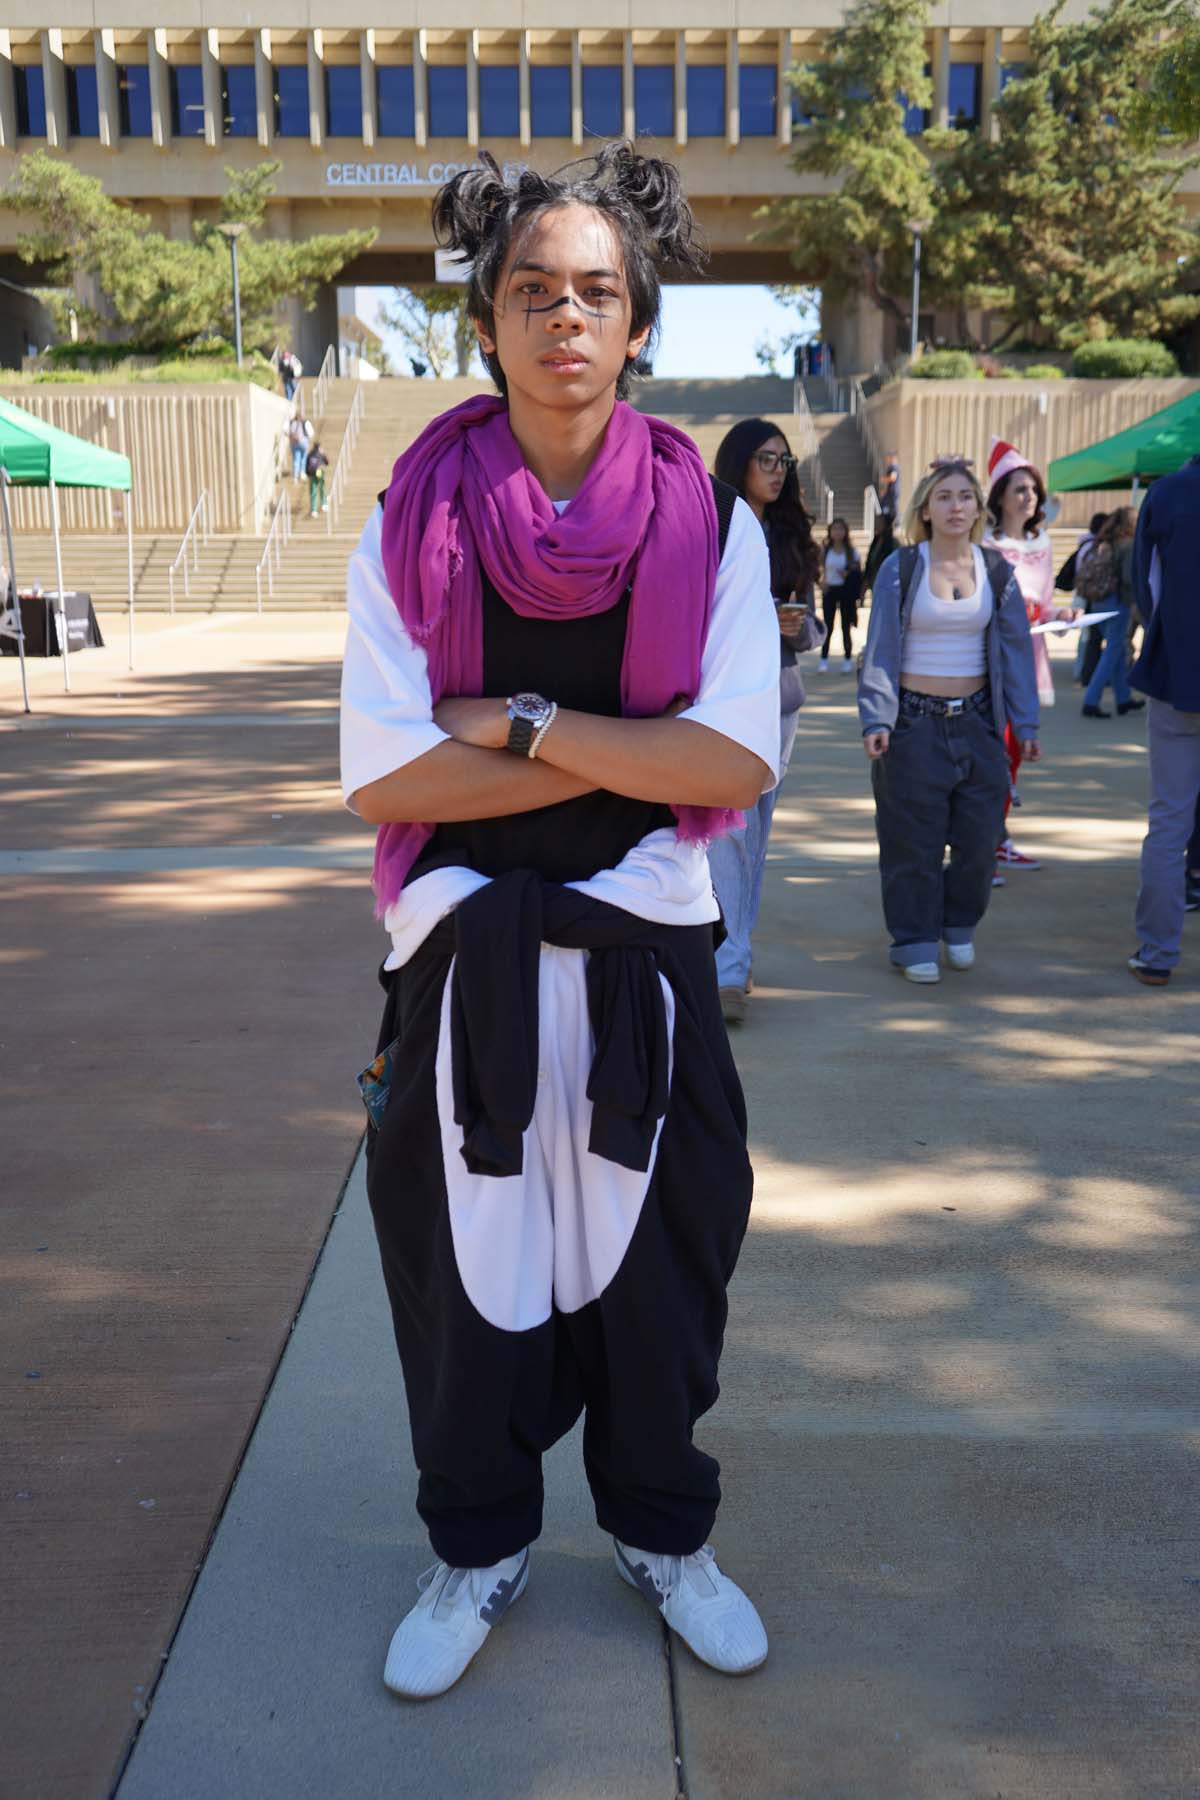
[[1016, 507]]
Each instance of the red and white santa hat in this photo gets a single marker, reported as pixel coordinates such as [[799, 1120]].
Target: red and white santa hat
[[1003, 459]]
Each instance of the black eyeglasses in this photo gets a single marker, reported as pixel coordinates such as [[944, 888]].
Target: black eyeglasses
[[770, 460]]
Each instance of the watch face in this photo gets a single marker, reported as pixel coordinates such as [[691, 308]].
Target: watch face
[[529, 706]]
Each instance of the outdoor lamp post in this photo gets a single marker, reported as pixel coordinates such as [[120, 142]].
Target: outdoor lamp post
[[917, 227], [231, 234]]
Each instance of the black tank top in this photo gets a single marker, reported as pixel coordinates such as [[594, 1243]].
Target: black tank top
[[578, 663]]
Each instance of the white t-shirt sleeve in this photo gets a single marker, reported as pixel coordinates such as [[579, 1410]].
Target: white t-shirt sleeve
[[739, 670], [387, 711]]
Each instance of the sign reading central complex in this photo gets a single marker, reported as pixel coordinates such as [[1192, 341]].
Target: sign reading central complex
[[398, 175]]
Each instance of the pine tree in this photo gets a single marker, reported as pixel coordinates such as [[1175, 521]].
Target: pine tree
[[1069, 223], [1170, 101], [857, 237], [155, 291]]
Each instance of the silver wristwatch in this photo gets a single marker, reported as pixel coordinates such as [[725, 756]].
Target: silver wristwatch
[[528, 715]]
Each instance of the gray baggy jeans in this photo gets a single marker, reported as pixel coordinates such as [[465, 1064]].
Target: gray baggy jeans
[[1174, 741], [942, 781]]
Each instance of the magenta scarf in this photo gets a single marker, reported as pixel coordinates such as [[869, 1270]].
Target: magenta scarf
[[461, 496]]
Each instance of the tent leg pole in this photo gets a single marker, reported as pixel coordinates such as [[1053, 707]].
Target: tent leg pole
[[129, 547], [62, 596], [12, 577]]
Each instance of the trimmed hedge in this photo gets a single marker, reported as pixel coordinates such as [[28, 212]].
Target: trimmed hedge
[[1123, 359], [1040, 372], [945, 365]]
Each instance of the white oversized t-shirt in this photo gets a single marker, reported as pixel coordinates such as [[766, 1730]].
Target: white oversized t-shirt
[[387, 722]]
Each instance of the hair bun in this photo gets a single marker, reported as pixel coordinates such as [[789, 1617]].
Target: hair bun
[[653, 189], [470, 205]]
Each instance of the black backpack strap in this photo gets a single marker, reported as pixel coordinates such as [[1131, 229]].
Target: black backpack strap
[[725, 498], [910, 557]]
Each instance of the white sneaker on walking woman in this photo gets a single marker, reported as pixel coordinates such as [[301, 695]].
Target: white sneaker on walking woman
[[432, 1647], [717, 1622]]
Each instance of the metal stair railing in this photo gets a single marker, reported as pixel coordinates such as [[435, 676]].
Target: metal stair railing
[[272, 556], [320, 386], [337, 485], [808, 451], [197, 533]]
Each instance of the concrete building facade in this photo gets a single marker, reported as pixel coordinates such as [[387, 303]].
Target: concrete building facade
[[370, 110]]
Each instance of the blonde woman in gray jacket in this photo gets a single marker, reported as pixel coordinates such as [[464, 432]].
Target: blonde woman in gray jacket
[[948, 662]]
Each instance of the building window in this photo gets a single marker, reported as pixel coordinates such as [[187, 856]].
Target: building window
[[603, 103], [550, 101], [500, 101], [966, 95], [239, 101], [916, 118], [187, 100], [291, 100], [133, 93], [31, 99], [654, 99], [756, 99], [1010, 72], [83, 105], [706, 100], [343, 100], [447, 100], [394, 100]]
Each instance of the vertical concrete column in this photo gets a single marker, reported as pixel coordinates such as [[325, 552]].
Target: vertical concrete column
[[160, 88], [420, 56], [473, 89], [783, 93], [370, 88], [733, 98], [524, 105], [940, 114], [681, 110], [108, 99], [264, 87], [628, 102], [576, 88], [210, 77], [8, 93], [993, 57], [316, 88], [54, 79]]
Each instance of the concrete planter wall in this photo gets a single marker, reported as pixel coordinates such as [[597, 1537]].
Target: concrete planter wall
[[1045, 419], [179, 439]]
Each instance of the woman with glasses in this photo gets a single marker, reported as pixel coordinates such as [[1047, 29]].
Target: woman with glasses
[[754, 458], [948, 664], [841, 584]]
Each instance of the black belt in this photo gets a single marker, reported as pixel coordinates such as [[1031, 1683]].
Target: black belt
[[915, 705], [496, 936]]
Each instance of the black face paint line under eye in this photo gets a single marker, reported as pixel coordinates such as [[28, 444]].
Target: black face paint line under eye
[[594, 312]]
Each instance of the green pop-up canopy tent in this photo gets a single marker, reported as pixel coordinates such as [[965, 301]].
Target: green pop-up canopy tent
[[1157, 445], [35, 454]]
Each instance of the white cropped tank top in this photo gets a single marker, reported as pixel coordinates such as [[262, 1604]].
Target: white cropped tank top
[[947, 637]]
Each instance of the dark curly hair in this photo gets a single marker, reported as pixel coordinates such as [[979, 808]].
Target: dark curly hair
[[480, 213], [789, 526]]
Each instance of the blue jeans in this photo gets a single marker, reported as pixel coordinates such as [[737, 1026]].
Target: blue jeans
[[1113, 666], [299, 453], [736, 863]]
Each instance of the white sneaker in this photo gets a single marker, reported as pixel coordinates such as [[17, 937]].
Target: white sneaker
[[960, 956], [823, 666], [458, 1607], [847, 665], [717, 1622], [922, 972]]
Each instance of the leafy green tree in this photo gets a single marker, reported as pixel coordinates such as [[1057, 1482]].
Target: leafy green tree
[[1170, 100], [434, 325], [135, 284], [1069, 223], [857, 237]]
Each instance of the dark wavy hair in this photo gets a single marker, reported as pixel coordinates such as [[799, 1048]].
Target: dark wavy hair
[[480, 213], [789, 526], [995, 500]]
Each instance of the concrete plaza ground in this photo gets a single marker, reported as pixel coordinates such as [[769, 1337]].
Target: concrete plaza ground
[[959, 1424]]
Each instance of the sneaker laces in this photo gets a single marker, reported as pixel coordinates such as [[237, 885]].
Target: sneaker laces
[[672, 1570], [441, 1586]]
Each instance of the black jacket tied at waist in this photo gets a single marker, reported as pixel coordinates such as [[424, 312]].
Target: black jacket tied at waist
[[497, 934]]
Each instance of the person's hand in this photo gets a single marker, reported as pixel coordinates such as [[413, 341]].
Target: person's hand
[[791, 619], [1069, 614], [1031, 750], [482, 723], [875, 744]]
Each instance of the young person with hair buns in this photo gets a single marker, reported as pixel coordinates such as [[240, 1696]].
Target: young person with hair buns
[[948, 664], [561, 682], [1016, 509]]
